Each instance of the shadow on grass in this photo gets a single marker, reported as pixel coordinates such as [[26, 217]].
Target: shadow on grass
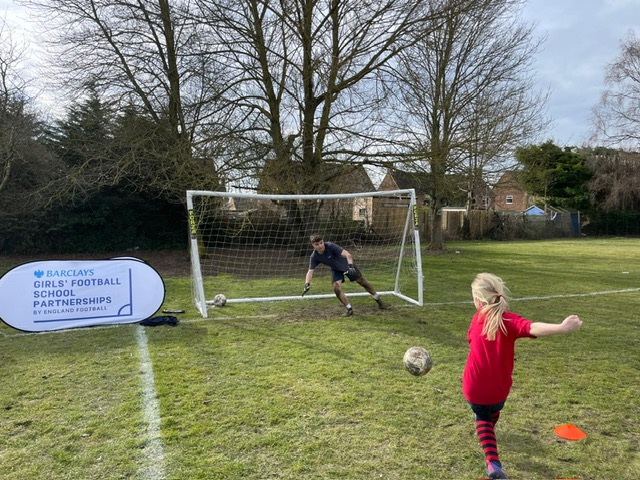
[[529, 449]]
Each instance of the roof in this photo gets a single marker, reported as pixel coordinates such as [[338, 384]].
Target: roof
[[508, 180], [400, 179], [453, 188], [533, 210], [293, 177]]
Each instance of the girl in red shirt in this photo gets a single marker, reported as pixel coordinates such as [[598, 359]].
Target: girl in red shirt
[[486, 380]]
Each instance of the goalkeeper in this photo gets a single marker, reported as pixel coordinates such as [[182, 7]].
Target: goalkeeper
[[341, 264]]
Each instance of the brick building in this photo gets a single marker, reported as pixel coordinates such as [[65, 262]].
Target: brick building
[[508, 195]]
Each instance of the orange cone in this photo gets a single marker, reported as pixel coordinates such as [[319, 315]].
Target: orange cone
[[569, 432]]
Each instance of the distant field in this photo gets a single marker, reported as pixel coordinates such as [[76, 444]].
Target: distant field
[[292, 390]]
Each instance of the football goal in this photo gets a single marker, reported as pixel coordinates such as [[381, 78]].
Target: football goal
[[256, 248]]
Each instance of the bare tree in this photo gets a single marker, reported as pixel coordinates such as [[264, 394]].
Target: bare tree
[[11, 102], [307, 77], [616, 119], [466, 98], [25, 165], [144, 55], [615, 184]]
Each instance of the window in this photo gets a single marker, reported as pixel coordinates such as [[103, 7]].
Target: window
[[509, 199], [362, 211]]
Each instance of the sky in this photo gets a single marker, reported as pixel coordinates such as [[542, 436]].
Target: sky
[[582, 38]]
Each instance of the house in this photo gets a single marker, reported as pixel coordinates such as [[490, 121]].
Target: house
[[399, 180], [454, 193], [508, 195], [331, 178], [454, 190]]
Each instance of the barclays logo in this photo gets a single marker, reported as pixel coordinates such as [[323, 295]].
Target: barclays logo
[[65, 273]]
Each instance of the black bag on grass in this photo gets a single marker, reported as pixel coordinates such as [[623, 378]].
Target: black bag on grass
[[161, 320]]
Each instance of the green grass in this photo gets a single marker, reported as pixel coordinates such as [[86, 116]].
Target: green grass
[[292, 390]]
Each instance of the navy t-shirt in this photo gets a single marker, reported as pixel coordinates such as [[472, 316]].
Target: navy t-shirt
[[332, 257]]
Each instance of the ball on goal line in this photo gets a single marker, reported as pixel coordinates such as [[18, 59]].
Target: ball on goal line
[[417, 361], [219, 300]]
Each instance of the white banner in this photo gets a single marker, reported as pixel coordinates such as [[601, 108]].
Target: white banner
[[53, 294]]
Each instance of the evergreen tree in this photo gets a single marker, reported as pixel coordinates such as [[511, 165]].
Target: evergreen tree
[[559, 176], [85, 135]]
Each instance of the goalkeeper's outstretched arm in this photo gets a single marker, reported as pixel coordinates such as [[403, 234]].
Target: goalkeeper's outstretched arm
[[309, 276], [307, 281]]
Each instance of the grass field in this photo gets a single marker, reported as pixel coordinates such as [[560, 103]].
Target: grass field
[[292, 390]]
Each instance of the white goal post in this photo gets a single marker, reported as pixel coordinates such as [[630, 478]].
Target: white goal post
[[256, 248]]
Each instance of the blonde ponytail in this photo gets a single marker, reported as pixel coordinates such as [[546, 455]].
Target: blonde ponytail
[[490, 294]]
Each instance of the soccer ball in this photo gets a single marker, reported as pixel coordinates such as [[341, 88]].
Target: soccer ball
[[219, 300], [417, 361]]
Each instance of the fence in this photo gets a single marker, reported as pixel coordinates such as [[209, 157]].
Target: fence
[[514, 226], [612, 223], [456, 225]]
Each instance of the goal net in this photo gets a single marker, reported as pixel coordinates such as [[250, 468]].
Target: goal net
[[256, 248]]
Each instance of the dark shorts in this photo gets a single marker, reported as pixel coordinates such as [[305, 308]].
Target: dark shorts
[[483, 412], [337, 276]]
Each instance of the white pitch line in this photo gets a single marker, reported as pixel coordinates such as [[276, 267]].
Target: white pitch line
[[153, 452], [546, 297], [571, 295], [249, 317]]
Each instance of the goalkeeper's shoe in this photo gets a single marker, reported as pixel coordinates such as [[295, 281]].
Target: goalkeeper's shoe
[[381, 304], [349, 312]]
